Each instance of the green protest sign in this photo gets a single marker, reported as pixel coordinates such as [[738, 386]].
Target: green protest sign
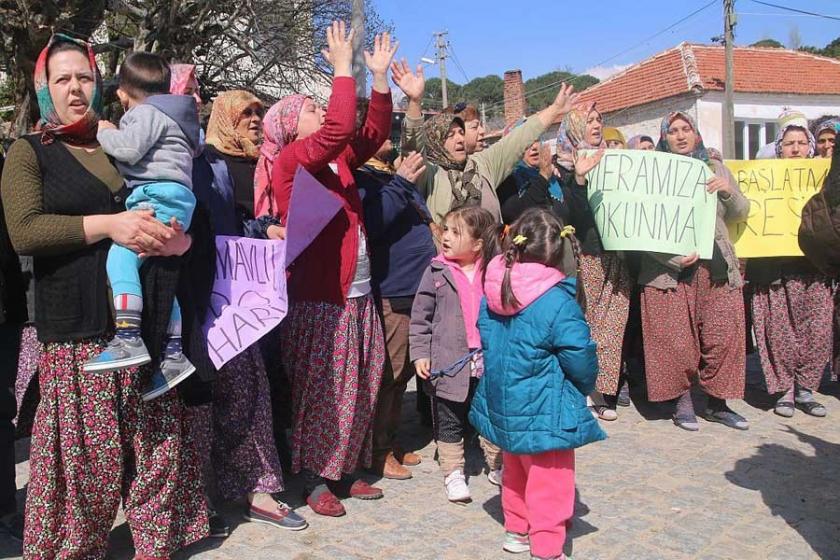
[[653, 201]]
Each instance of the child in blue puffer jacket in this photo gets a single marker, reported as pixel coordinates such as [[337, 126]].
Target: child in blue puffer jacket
[[539, 365]]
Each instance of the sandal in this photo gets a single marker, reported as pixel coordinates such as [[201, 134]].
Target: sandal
[[784, 409], [812, 408]]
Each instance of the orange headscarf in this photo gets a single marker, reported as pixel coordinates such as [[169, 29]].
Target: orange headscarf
[[221, 129]]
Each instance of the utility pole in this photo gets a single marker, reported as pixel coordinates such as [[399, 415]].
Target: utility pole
[[357, 22], [728, 96], [483, 113], [441, 60]]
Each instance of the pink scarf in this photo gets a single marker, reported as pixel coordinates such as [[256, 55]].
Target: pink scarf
[[469, 296], [279, 129]]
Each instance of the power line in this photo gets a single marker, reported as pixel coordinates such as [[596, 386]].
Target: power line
[[625, 51], [457, 62], [796, 11]]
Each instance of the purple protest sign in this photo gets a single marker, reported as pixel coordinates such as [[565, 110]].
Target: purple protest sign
[[249, 295], [311, 208]]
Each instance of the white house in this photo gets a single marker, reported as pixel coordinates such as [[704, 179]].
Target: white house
[[690, 78]]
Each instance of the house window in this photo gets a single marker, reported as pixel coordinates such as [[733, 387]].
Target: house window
[[751, 135]]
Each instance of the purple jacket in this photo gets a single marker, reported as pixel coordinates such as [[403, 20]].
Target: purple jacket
[[437, 333]]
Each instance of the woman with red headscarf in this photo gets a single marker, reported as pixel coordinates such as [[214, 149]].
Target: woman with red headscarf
[[95, 443]]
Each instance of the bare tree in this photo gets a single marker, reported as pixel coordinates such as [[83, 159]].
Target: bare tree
[[270, 47]]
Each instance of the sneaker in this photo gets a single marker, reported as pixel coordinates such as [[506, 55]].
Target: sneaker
[[457, 490], [173, 369], [219, 527], [495, 477], [281, 516], [516, 543], [120, 353]]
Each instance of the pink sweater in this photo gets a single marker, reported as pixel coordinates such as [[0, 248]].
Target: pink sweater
[[469, 295]]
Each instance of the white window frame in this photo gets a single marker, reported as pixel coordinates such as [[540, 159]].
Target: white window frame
[[762, 135]]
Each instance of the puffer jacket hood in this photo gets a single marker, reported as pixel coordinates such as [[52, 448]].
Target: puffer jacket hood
[[528, 280]]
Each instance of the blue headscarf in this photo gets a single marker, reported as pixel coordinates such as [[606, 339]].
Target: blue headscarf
[[524, 173]]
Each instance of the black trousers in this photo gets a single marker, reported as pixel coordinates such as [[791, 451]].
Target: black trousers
[[451, 424], [9, 350]]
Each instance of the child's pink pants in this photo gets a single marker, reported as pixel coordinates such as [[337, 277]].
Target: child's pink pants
[[538, 498]]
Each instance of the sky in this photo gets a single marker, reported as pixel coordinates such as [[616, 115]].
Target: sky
[[598, 36]]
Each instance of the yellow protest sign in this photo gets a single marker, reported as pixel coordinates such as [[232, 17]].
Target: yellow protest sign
[[777, 190]]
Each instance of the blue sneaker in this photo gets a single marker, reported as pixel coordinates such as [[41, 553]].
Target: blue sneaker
[[173, 369], [120, 353]]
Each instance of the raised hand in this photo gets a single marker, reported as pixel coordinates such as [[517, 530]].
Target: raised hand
[[412, 84], [546, 165], [383, 53], [339, 51], [585, 164], [565, 100]]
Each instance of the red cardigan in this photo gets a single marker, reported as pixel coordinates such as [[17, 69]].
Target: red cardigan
[[325, 270]]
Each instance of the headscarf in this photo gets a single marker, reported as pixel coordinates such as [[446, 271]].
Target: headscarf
[[832, 124], [183, 75], [462, 176], [221, 129], [611, 133], [84, 130], [699, 152], [633, 143], [524, 173], [572, 136], [794, 120], [279, 129]]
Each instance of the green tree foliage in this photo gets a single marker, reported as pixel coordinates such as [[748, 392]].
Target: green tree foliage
[[772, 43], [831, 50]]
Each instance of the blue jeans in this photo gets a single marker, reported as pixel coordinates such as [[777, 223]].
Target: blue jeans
[[168, 200]]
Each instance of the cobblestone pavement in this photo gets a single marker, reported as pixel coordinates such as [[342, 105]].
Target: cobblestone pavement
[[649, 492]]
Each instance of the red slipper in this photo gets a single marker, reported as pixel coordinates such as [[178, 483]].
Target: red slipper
[[326, 504], [364, 491]]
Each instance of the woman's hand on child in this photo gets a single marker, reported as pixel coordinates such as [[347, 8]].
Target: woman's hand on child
[[175, 246], [138, 230], [380, 59], [339, 51], [412, 84], [412, 167], [423, 368]]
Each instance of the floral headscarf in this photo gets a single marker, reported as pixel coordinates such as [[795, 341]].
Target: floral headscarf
[[83, 131], [831, 124], [183, 76], [699, 152], [812, 143], [279, 129], [572, 136], [221, 129], [463, 178]]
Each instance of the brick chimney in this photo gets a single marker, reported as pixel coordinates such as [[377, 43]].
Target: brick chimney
[[515, 105]]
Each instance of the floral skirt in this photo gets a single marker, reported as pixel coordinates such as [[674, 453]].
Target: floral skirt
[[793, 326], [334, 356], [26, 392], [95, 444], [608, 286]]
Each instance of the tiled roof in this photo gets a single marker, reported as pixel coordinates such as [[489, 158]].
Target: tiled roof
[[690, 67]]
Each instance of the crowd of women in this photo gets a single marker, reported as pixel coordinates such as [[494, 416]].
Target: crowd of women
[[392, 287]]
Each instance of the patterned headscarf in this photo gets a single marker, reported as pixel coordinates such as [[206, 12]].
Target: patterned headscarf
[[812, 143], [221, 129], [279, 129], [183, 76], [83, 131], [572, 136], [699, 151], [831, 124], [462, 176], [635, 141]]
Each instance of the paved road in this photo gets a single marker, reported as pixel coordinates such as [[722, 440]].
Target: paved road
[[649, 492]]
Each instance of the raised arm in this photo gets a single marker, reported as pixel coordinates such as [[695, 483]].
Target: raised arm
[[497, 162], [412, 84], [377, 126]]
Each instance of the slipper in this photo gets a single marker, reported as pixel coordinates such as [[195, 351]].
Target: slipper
[[603, 412], [812, 408], [728, 418], [784, 409], [688, 422]]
